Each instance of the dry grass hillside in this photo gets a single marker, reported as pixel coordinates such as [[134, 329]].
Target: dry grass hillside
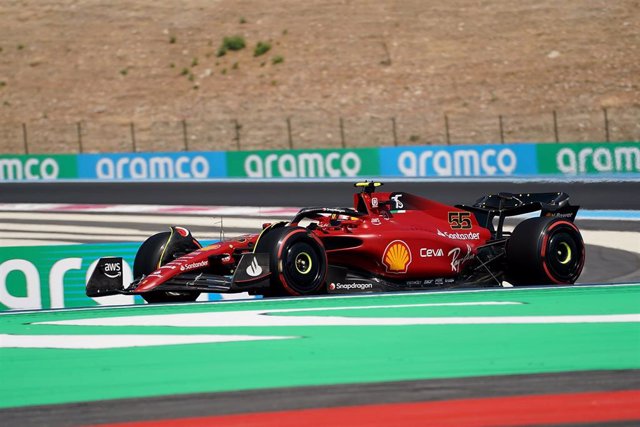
[[74, 70]]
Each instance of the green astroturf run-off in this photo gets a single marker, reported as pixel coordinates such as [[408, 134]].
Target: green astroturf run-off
[[314, 341]]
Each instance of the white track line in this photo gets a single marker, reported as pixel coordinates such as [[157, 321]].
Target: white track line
[[121, 341]]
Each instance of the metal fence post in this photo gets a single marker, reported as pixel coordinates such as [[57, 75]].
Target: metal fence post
[[236, 127], [184, 135], [606, 124], [79, 128], [133, 137], [289, 133], [446, 128], [555, 126], [344, 145], [501, 129], [24, 138], [395, 133]]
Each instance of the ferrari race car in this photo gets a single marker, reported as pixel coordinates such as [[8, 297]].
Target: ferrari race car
[[387, 242]]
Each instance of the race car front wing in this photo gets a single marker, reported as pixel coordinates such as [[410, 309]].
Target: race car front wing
[[252, 273]]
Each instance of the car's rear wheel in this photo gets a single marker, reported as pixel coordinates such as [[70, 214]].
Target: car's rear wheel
[[153, 253], [298, 261], [545, 251]]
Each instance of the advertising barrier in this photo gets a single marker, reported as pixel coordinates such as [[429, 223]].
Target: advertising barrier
[[145, 166], [589, 158], [304, 163], [46, 277], [453, 161], [55, 276], [38, 167], [490, 160]]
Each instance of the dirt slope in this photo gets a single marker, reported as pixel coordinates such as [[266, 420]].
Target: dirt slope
[[108, 64]]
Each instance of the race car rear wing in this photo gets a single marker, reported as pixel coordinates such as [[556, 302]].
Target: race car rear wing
[[504, 205]]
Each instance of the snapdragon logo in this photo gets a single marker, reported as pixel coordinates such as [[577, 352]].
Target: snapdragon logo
[[30, 168], [598, 159], [458, 162], [303, 165], [152, 167]]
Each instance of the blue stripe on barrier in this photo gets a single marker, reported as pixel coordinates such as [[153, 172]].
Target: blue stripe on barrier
[[615, 215]]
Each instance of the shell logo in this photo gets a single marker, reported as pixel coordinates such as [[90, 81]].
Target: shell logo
[[397, 257]]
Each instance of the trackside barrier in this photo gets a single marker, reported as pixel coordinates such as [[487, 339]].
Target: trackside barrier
[[490, 160], [38, 167], [588, 158], [459, 161], [152, 166], [54, 276]]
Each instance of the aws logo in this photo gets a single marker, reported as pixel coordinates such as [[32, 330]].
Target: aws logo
[[397, 257]]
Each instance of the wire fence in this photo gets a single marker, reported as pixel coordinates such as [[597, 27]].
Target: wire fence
[[319, 131]]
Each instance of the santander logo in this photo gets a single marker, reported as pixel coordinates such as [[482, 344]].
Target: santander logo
[[194, 265]]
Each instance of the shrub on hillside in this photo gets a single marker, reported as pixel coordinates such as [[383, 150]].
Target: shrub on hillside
[[261, 48], [231, 43]]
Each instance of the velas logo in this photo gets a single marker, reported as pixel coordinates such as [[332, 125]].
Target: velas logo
[[303, 165], [397, 257]]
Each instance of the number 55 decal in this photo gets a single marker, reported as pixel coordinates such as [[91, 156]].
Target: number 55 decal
[[460, 220]]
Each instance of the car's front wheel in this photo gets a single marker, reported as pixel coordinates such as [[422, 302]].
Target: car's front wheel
[[298, 261], [154, 252]]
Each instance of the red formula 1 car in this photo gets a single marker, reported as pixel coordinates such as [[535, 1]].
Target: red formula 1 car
[[386, 242]]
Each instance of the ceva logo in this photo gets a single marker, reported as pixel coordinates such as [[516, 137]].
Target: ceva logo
[[303, 165]]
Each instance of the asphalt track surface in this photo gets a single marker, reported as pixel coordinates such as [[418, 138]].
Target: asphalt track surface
[[592, 195]]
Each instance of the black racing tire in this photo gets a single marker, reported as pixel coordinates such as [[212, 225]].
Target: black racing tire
[[148, 259], [545, 250], [297, 260]]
